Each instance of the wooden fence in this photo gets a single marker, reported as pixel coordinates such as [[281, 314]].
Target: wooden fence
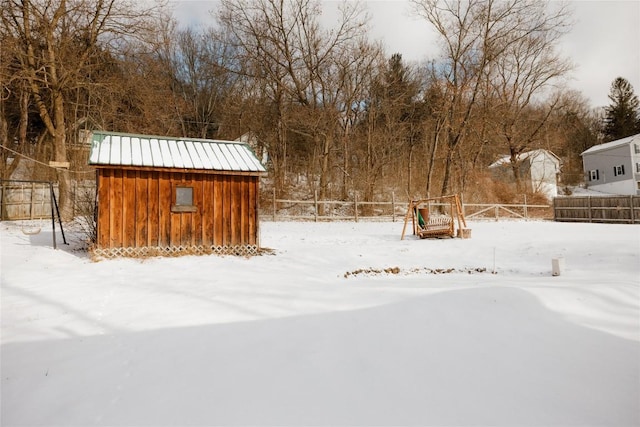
[[604, 209], [27, 200], [355, 210], [23, 201]]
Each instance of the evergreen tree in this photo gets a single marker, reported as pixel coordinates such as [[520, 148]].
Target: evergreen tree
[[623, 115]]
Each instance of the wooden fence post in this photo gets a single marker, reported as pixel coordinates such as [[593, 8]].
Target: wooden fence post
[[32, 204], [21, 214], [526, 216], [274, 203], [2, 200], [315, 204], [589, 208], [393, 206], [74, 206], [355, 206]]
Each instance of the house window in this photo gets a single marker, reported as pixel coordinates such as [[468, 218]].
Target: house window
[[637, 167], [183, 197], [618, 170], [636, 148], [594, 175]]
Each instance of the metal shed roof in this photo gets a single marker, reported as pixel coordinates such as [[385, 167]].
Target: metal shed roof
[[120, 149]]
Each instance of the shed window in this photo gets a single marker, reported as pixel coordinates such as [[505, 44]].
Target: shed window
[[594, 175], [618, 170], [184, 196], [183, 200]]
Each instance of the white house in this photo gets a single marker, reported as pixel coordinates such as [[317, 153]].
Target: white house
[[614, 167], [538, 170]]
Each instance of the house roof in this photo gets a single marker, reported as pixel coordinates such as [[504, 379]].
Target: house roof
[[506, 160], [612, 144], [121, 149]]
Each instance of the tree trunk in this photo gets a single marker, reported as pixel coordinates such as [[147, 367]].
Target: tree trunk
[[515, 168], [324, 171], [447, 171], [409, 168], [60, 155], [345, 166], [432, 159]]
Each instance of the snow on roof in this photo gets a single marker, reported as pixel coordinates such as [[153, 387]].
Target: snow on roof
[[612, 144], [506, 160], [120, 149]]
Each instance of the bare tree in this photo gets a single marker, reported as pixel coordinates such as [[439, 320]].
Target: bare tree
[[523, 76], [395, 112], [353, 79], [474, 36], [572, 129], [13, 110], [297, 62], [201, 71], [57, 40]]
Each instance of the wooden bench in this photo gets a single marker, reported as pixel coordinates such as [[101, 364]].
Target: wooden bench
[[436, 226], [442, 223]]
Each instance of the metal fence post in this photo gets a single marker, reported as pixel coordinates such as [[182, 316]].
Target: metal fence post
[[53, 216]]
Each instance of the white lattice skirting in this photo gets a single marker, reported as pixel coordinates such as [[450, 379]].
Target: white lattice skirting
[[174, 251]]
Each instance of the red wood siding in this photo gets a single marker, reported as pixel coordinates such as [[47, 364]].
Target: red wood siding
[[134, 209]]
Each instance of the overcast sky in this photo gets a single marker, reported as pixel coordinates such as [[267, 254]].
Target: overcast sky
[[603, 44]]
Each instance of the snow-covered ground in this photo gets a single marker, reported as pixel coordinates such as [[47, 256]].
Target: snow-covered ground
[[318, 333]]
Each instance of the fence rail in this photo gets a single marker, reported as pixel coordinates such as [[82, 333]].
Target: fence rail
[[602, 209], [25, 201], [497, 210], [355, 210]]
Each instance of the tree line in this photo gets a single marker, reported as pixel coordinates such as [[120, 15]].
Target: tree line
[[332, 111]]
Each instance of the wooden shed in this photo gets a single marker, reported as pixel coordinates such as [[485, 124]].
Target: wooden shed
[[168, 196]]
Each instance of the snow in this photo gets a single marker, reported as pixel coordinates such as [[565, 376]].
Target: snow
[[317, 333]]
